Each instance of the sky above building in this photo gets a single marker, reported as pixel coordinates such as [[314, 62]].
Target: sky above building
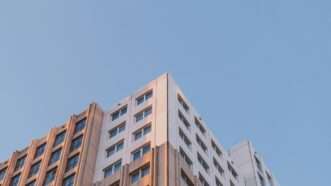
[[258, 70]]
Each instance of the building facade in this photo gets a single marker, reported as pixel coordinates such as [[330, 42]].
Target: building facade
[[65, 156], [154, 137], [251, 165]]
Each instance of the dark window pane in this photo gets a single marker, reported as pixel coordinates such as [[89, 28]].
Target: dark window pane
[[2, 173], [55, 157], [80, 125], [111, 169], [59, 138], [76, 143], [20, 163], [40, 150], [34, 169], [14, 181], [50, 175], [69, 181], [72, 162]]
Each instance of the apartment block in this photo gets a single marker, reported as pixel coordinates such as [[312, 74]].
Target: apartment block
[[154, 137]]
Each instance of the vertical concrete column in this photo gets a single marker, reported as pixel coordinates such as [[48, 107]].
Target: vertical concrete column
[[125, 177], [90, 146], [65, 150], [46, 156], [10, 169], [28, 162]]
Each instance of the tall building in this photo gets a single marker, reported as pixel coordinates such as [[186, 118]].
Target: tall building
[[154, 137]]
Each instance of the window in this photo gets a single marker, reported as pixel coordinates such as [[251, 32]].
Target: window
[[201, 143], [143, 114], [218, 167], [183, 103], [233, 172], [199, 125], [2, 173], [185, 157], [218, 182], [116, 130], [14, 181], [40, 150], [32, 183], [142, 131], [20, 163], [139, 173], [184, 120], [258, 163], [186, 179], [55, 157], [80, 125], [184, 138], [72, 162], [203, 180], [141, 99], [115, 148], [262, 181], [34, 169], [138, 153], [111, 169], [203, 163], [69, 181], [216, 148], [120, 112], [76, 143], [50, 175], [59, 138]]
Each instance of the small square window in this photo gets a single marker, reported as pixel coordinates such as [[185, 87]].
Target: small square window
[[20, 163], [55, 157], [50, 176], [76, 143], [34, 169], [2, 173], [69, 181], [40, 150], [72, 162], [59, 138], [139, 173], [113, 168], [120, 112], [15, 180], [80, 125]]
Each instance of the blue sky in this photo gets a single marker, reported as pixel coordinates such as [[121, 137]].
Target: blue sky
[[254, 69]]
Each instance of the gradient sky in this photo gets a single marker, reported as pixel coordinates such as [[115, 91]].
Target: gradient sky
[[257, 69]]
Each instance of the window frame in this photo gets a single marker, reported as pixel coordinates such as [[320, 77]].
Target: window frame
[[115, 148], [112, 168], [119, 112], [144, 97], [142, 150], [60, 136], [142, 131], [144, 113]]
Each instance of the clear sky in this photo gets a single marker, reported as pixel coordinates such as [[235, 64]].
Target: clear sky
[[254, 69]]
